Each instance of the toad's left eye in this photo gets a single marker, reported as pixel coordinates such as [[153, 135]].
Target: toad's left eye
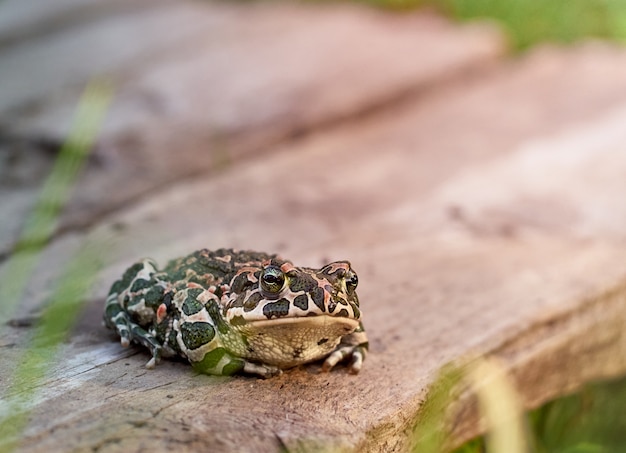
[[272, 279], [352, 280]]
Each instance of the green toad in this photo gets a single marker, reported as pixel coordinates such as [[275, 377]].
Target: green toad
[[230, 311]]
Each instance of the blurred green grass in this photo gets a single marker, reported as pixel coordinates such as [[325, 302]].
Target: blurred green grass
[[592, 420], [61, 310], [529, 22]]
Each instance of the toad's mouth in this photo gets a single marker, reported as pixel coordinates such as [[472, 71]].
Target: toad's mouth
[[322, 322]]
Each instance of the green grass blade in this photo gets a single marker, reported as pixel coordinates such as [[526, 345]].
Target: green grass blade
[[43, 220], [60, 313]]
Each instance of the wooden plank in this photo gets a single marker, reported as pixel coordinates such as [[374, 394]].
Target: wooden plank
[[217, 81], [503, 241], [84, 49], [22, 20]]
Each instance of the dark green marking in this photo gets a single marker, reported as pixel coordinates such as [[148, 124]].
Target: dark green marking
[[239, 301], [276, 309], [302, 302], [196, 334], [209, 363], [233, 366], [318, 298], [154, 297], [252, 302], [191, 304], [111, 311], [303, 282], [343, 313], [216, 315], [143, 337], [140, 284], [240, 283]]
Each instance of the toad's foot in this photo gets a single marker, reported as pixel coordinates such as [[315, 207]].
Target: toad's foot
[[264, 371], [353, 346], [356, 353]]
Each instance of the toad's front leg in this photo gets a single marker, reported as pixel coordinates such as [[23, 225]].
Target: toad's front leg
[[353, 346]]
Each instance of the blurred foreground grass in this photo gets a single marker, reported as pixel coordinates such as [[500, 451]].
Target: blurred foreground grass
[[529, 22], [60, 312], [590, 421]]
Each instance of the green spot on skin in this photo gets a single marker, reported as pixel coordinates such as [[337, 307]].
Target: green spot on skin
[[233, 367], [196, 334], [140, 284], [276, 309], [214, 312], [252, 302], [111, 311], [239, 301], [240, 283], [302, 302], [318, 298], [154, 297], [193, 293], [209, 361], [191, 306], [304, 283]]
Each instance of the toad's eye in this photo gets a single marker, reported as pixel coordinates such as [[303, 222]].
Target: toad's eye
[[352, 280], [272, 279]]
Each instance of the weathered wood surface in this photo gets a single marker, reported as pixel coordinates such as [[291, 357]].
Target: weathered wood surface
[[201, 84], [483, 212]]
